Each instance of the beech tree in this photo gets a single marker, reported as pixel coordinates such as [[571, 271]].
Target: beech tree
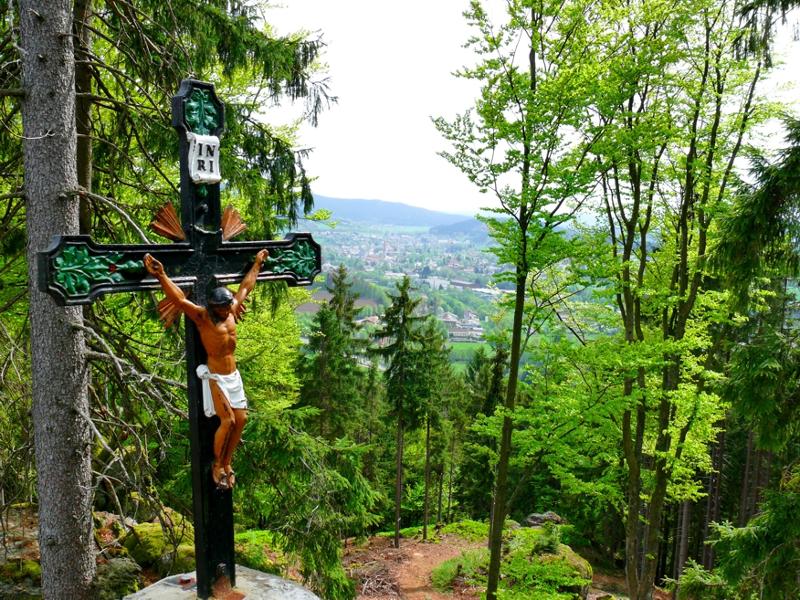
[[675, 106], [518, 147]]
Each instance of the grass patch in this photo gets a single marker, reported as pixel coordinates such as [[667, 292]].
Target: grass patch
[[535, 565], [474, 531], [471, 566], [406, 532], [254, 549]]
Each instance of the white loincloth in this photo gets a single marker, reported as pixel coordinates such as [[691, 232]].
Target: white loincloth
[[231, 386]]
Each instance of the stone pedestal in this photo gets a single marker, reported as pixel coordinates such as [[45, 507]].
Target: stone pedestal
[[250, 585]]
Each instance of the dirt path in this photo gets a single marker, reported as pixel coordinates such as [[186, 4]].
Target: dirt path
[[389, 573]]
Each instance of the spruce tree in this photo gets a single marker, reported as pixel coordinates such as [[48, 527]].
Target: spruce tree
[[476, 480], [398, 343], [332, 376]]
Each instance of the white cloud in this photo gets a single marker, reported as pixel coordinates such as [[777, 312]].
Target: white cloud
[[391, 64]]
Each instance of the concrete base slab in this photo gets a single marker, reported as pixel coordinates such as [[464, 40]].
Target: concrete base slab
[[250, 585]]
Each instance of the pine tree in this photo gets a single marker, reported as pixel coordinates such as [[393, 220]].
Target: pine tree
[[398, 343], [433, 371], [332, 375], [476, 474]]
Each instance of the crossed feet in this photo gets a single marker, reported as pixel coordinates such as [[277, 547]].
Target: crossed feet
[[223, 476]]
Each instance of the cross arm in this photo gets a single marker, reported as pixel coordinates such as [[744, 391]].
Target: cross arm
[[75, 270], [296, 259]]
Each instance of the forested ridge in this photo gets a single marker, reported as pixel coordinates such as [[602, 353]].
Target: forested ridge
[[639, 381]]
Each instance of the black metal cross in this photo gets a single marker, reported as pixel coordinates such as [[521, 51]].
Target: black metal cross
[[75, 270]]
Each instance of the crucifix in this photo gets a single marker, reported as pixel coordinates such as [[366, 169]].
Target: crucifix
[[75, 270]]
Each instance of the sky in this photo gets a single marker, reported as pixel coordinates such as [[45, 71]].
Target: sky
[[390, 64]]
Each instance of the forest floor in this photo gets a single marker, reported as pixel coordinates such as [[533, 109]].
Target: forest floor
[[384, 572], [388, 573]]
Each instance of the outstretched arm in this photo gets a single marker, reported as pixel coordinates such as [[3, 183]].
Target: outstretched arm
[[249, 281], [173, 292]]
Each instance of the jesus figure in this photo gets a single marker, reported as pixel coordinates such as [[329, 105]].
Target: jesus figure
[[223, 393]]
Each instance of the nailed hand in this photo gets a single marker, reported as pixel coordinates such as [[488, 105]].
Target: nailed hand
[[153, 265]]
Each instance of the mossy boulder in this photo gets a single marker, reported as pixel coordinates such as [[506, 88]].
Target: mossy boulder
[[573, 571], [147, 543], [116, 578], [576, 561], [179, 527], [18, 571], [256, 549], [177, 560]]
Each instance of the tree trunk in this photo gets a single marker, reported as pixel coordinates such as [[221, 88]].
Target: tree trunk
[[59, 372], [664, 546], [398, 481], [83, 106], [427, 477], [501, 479], [713, 508], [439, 507], [744, 510], [450, 480], [683, 538]]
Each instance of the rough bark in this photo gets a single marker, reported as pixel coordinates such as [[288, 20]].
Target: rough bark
[[427, 477], [398, 481], [713, 510], [441, 486], [60, 399], [683, 537], [83, 107]]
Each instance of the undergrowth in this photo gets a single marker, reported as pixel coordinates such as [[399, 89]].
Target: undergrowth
[[535, 566]]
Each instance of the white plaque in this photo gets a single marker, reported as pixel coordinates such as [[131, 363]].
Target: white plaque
[[203, 158]]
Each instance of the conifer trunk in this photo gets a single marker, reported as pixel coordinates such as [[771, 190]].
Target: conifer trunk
[[427, 477], [683, 537], [398, 482], [59, 372], [83, 106], [714, 496], [744, 511], [441, 486]]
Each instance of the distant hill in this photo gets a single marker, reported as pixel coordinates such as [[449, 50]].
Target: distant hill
[[384, 213], [469, 227]]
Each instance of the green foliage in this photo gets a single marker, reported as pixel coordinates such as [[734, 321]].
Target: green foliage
[[255, 549], [698, 584], [759, 233], [534, 566], [474, 531], [333, 381], [469, 566], [310, 494], [401, 332], [485, 380], [761, 558]]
